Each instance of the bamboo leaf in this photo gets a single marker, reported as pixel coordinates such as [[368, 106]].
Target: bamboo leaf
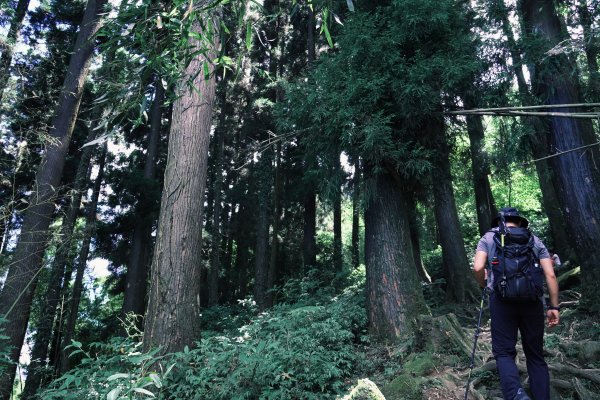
[[119, 375], [144, 391], [114, 394], [99, 140], [156, 380], [325, 28], [248, 36]]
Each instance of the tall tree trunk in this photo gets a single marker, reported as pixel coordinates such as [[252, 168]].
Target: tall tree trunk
[[484, 200], [18, 291], [538, 144], [309, 242], [136, 283], [228, 285], [261, 249], [217, 189], [394, 296], [591, 50], [172, 320], [242, 253], [277, 188], [414, 237], [356, 194], [459, 280], [90, 228], [39, 353], [576, 173], [338, 256], [9, 45]]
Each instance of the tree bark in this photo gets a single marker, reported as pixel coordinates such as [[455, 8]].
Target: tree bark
[[277, 191], [591, 50], [172, 319], [356, 193], [90, 228], [136, 281], [338, 256], [217, 189], [459, 280], [576, 178], [227, 248], [242, 253], [18, 291], [261, 249], [394, 296], [309, 242], [414, 237], [9, 45], [39, 353], [484, 200]]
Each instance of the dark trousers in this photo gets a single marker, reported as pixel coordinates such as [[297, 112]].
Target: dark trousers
[[528, 318]]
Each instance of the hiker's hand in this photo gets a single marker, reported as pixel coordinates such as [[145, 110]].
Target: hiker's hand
[[553, 318]]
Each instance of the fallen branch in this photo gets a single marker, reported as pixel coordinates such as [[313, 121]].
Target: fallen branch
[[589, 374], [561, 384]]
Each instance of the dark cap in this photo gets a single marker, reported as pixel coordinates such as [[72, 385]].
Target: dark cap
[[510, 214]]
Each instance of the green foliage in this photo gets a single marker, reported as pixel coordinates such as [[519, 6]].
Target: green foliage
[[289, 352], [113, 371], [303, 350]]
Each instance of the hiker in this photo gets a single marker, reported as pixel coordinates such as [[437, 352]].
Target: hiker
[[516, 300]]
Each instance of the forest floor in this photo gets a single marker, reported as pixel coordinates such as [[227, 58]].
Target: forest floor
[[441, 369]]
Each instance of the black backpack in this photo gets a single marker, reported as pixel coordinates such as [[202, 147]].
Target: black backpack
[[517, 275]]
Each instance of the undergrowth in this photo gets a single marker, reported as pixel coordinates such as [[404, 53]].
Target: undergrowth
[[297, 350]]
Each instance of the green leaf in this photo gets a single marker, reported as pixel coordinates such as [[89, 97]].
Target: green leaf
[[156, 380], [327, 34], [117, 376], [225, 29], [168, 371], [75, 352], [248, 36], [144, 391], [114, 394]]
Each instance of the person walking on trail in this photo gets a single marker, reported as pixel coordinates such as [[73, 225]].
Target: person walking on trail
[[515, 262]]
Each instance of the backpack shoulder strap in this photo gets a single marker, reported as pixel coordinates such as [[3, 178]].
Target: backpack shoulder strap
[[492, 248]]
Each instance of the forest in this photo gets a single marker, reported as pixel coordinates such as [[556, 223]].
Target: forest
[[281, 199]]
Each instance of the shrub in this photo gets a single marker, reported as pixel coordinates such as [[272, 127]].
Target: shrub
[[302, 352], [293, 351], [113, 371]]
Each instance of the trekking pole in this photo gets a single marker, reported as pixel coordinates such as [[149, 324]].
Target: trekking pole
[[477, 332]]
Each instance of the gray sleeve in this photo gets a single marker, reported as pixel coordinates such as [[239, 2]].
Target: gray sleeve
[[485, 242], [541, 250]]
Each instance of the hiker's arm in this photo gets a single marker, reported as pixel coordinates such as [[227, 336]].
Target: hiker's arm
[[479, 267], [552, 315], [551, 281]]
